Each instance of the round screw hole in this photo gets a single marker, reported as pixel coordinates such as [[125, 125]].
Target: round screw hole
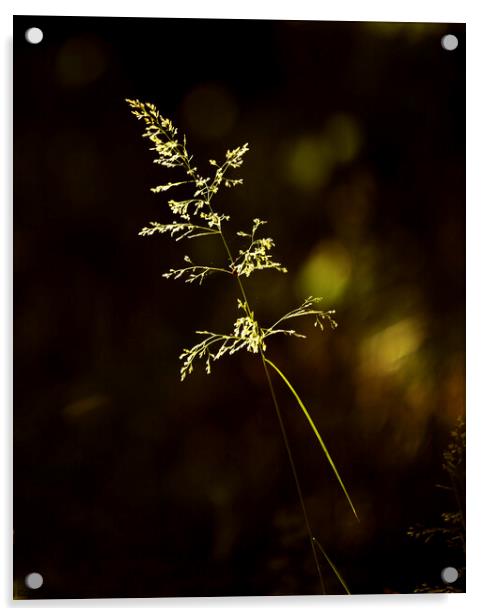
[[449, 42], [34, 35], [34, 580], [449, 575]]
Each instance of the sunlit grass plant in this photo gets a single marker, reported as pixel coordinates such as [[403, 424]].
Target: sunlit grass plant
[[195, 216]]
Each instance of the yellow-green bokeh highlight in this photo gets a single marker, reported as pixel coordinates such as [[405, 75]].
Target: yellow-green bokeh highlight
[[326, 272], [385, 351], [209, 111], [312, 158], [345, 137], [81, 61], [310, 162], [412, 31]]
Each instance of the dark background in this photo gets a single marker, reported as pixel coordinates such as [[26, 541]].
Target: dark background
[[128, 483]]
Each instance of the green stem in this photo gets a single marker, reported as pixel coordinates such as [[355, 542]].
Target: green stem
[[294, 471], [282, 427], [316, 432], [333, 567], [209, 196], [279, 415]]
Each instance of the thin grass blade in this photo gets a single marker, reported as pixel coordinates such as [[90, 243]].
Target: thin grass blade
[[316, 432], [332, 565]]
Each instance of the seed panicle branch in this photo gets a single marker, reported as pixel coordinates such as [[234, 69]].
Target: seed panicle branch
[[178, 230], [304, 310], [256, 256], [246, 336], [194, 273], [195, 217]]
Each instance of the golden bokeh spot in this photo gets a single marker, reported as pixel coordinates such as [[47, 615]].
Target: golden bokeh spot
[[310, 162], [384, 352], [86, 405], [344, 135], [209, 111], [311, 159], [81, 61], [413, 31], [326, 273]]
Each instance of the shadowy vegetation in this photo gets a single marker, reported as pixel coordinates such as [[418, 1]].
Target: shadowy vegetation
[[452, 530]]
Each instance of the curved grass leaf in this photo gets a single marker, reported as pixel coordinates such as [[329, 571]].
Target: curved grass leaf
[[316, 432]]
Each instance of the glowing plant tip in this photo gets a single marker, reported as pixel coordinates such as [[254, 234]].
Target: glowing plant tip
[[195, 216]]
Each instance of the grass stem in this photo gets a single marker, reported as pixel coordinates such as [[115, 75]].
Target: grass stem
[[315, 430], [294, 471]]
